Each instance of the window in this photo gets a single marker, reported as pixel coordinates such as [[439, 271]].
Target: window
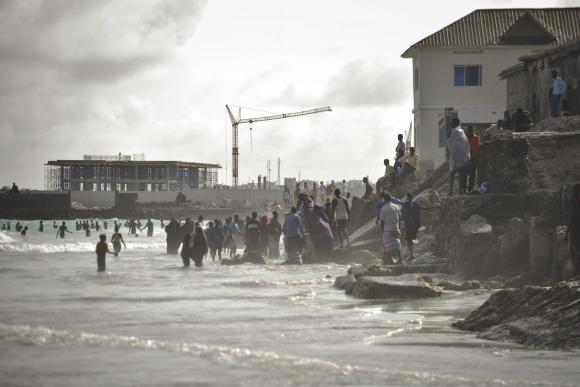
[[416, 79], [464, 75]]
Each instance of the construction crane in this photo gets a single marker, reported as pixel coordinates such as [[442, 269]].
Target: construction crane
[[239, 120]]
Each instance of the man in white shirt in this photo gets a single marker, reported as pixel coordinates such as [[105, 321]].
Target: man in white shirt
[[558, 88]]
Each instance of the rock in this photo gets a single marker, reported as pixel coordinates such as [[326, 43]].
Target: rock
[[463, 285], [527, 278], [472, 251], [560, 124], [514, 245], [246, 258], [540, 246], [405, 286], [560, 255], [343, 281], [370, 271], [534, 316], [353, 256]]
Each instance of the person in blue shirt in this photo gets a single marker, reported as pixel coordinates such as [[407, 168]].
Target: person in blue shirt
[[558, 88], [293, 232]]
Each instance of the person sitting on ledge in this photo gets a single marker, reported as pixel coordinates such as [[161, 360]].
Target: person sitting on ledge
[[409, 164]]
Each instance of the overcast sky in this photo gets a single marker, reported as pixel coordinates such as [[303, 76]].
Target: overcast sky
[[153, 76]]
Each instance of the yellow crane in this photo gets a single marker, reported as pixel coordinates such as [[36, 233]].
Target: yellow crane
[[239, 120]]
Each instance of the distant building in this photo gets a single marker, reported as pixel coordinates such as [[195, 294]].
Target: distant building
[[119, 173], [529, 82], [457, 67]]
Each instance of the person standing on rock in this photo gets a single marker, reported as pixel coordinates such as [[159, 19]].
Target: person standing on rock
[[574, 230], [390, 217], [411, 214], [400, 151], [473, 150], [458, 146], [341, 214]]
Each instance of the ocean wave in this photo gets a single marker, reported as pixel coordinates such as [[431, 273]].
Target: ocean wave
[[304, 367], [277, 284]]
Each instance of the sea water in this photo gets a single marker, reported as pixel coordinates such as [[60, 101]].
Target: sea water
[[147, 321]]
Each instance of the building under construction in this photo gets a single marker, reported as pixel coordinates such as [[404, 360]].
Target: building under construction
[[121, 173]]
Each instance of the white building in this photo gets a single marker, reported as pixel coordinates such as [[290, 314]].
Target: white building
[[458, 67]]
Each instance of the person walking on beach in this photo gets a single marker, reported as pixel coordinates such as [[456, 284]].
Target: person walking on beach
[[41, 227], [411, 214], [390, 217], [117, 239], [199, 246], [24, 231], [458, 146], [341, 214], [62, 230], [102, 250]]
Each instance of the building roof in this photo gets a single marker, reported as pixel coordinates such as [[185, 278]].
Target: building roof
[[118, 163], [497, 27]]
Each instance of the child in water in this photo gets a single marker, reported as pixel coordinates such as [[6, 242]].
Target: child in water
[[102, 250]]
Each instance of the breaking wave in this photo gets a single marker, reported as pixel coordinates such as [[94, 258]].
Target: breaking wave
[[306, 367], [48, 245]]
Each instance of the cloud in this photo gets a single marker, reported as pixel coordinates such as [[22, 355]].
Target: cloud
[[357, 84], [362, 83], [76, 77]]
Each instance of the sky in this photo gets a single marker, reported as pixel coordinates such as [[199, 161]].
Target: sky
[[153, 76]]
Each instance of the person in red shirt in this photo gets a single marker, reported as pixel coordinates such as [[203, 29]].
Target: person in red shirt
[[473, 150]]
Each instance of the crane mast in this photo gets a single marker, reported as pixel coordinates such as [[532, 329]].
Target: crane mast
[[236, 121]]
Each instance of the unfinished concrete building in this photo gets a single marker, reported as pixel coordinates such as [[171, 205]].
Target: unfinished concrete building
[[529, 82], [108, 173]]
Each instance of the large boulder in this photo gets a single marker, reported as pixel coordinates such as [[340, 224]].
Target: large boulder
[[246, 258], [534, 316], [473, 248], [404, 286], [514, 245]]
